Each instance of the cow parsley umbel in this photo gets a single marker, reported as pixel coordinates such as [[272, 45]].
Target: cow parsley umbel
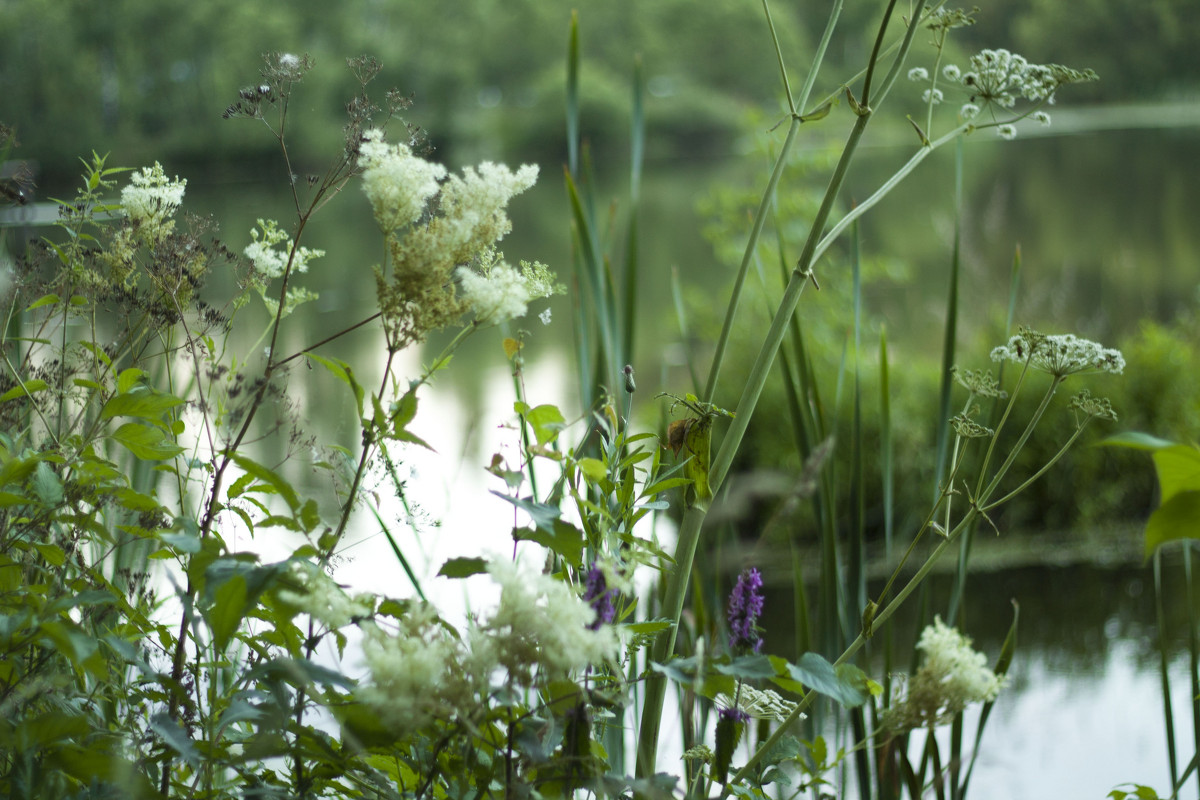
[[1059, 355]]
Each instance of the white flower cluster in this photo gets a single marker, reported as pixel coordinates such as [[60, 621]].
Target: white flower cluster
[[539, 628], [151, 199], [960, 671], [497, 296], [323, 599], [472, 211], [269, 260], [417, 674], [397, 183], [497, 292], [999, 78], [952, 676], [1060, 355], [760, 703], [542, 622]]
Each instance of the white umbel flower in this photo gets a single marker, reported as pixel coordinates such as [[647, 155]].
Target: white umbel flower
[[1062, 355]]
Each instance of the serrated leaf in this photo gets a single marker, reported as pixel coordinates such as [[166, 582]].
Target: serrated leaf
[[145, 442]]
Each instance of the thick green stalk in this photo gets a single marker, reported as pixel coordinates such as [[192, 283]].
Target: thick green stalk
[[693, 519]]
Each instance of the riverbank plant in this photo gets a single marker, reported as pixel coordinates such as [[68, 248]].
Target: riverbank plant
[[149, 650]]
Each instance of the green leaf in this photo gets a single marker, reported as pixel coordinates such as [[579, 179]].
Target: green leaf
[[44, 300], [747, 668], [463, 567], [846, 684], [145, 442], [593, 469], [546, 421], [141, 404], [46, 485], [175, 737], [183, 542], [129, 379], [268, 477], [1177, 518], [564, 539], [31, 386]]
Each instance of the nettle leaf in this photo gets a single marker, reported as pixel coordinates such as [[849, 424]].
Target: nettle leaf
[[145, 442], [463, 567], [47, 485], [141, 403], [846, 684]]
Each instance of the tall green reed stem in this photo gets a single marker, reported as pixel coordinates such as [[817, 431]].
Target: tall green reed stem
[[694, 517]]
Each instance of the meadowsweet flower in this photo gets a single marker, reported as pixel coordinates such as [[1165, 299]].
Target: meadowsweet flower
[[472, 210], [544, 317], [1059, 355], [271, 262], [952, 675], [323, 599], [151, 199], [398, 183], [745, 607], [417, 674], [541, 624], [498, 296], [1007, 132], [918, 74]]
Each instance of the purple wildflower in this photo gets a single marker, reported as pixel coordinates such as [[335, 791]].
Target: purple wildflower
[[597, 593], [745, 607], [735, 714]]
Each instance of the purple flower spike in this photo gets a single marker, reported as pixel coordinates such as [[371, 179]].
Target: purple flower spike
[[745, 607], [597, 593], [735, 714]]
